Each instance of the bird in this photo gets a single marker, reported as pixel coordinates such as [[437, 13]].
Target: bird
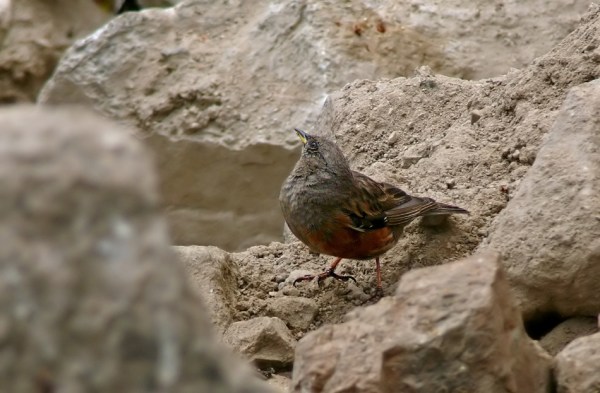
[[343, 213]]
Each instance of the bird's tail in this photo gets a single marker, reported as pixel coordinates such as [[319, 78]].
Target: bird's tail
[[444, 209]]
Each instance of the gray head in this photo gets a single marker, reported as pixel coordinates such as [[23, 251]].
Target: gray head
[[320, 153]]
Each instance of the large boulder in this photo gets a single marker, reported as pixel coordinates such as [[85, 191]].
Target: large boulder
[[550, 231], [93, 298], [448, 328], [577, 366]]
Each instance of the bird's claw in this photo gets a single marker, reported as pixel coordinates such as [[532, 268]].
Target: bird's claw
[[320, 277], [337, 276]]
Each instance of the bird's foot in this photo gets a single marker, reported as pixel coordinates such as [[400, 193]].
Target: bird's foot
[[322, 276]]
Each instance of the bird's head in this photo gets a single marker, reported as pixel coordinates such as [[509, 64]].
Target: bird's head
[[321, 152]]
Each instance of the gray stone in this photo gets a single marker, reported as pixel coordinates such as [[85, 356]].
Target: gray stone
[[577, 366], [93, 298], [264, 340], [549, 233], [215, 275], [567, 331], [450, 328], [297, 312]]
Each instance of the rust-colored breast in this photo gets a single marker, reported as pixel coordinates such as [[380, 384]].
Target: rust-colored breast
[[345, 242]]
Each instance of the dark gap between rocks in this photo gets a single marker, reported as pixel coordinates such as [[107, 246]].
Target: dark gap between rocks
[[541, 324]]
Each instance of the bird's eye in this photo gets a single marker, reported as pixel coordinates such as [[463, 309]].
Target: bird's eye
[[312, 145]]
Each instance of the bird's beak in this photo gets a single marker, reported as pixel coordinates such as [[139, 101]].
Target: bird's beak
[[302, 135]]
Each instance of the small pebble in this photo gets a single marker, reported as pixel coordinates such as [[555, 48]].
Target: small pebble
[[393, 138], [450, 183], [280, 277], [290, 291]]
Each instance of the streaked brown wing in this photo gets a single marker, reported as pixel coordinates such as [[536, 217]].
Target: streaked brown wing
[[382, 204]]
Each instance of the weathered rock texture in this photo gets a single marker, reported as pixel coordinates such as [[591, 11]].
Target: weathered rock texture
[[33, 36], [219, 87], [567, 331], [448, 328], [482, 39], [577, 366], [550, 231], [297, 312], [216, 276], [265, 341], [93, 299]]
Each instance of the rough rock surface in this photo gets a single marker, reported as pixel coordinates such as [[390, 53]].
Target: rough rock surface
[[215, 275], [577, 366], [297, 312], [266, 341], [550, 231], [207, 103], [93, 298], [448, 328], [567, 331], [33, 36], [483, 39]]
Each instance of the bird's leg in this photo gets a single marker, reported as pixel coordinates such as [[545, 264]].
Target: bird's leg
[[379, 290], [327, 273]]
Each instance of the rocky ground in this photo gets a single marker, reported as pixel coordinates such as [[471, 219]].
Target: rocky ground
[[503, 300]]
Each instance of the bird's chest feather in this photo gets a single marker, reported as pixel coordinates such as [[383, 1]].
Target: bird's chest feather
[[344, 242], [312, 207], [326, 230]]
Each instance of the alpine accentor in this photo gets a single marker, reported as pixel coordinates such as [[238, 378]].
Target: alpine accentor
[[337, 211]]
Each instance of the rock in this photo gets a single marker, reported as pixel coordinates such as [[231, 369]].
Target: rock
[[549, 232], [34, 34], [280, 382], [296, 312], [577, 366], [93, 297], [266, 341], [475, 116], [567, 331], [215, 275], [448, 328]]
